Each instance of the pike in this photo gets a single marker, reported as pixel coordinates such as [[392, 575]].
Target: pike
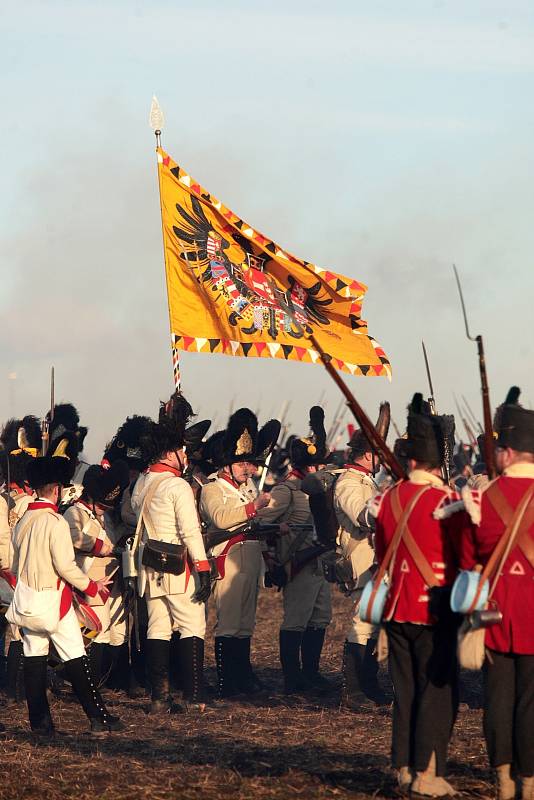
[[489, 455], [45, 424]]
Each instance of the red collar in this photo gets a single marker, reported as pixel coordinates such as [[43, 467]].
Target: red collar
[[229, 479], [358, 468], [41, 504], [159, 467]]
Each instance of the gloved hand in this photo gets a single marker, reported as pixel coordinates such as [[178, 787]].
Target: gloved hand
[[276, 575], [203, 592]]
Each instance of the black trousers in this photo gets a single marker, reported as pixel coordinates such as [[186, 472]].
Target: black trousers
[[509, 710], [424, 672]]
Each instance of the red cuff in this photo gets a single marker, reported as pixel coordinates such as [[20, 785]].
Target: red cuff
[[202, 566], [92, 589], [99, 544], [104, 595], [250, 508]]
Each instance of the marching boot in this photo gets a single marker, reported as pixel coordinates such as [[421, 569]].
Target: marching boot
[[119, 673], [404, 779], [175, 666], [311, 649], [78, 672], [14, 673], [225, 659], [157, 655], [247, 681], [369, 675], [138, 676], [527, 789], [290, 642], [428, 784], [191, 664], [505, 783], [97, 651], [352, 695], [35, 687]]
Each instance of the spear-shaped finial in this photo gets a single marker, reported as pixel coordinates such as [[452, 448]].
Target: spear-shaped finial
[[156, 120]]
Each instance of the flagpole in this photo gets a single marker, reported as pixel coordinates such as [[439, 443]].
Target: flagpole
[[156, 122]]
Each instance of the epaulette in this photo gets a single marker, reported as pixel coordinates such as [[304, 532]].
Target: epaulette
[[451, 503]]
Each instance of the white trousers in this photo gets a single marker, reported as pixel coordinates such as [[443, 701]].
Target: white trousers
[[103, 614], [236, 595], [359, 632], [67, 639], [176, 612], [117, 619]]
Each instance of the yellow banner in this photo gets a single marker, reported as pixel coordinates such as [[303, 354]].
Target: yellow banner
[[232, 290]]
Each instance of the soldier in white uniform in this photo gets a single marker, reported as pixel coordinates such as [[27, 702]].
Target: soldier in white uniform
[[226, 502], [102, 489], [307, 596], [353, 490], [44, 561], [21, 443], [165, 506]]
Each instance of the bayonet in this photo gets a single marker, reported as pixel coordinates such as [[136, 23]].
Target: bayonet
[[489, 452], [471, 415], [431, 400], [48, 419]]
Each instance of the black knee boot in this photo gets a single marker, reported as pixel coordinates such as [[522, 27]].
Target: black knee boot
[[119, 672], [352, 694], [14, 673], [370, 684], [175, 663], [79, 674], [97, 653], [35, 687], [157, 658], [227, 665], [290, 643], [191, 664], [247, 681], [311, 649]]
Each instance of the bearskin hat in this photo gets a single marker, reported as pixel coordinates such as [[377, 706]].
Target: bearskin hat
[[66, 418], [360, 444], [126, 444], [306, 452], [168, 434], [430, 436], [67, 447], [514, 424], [21, 442], [46, 470], [242, 441], [194, 440], [104, 486], [267, 438]]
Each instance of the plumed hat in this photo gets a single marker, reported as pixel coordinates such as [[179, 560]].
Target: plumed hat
[[515, 424], [105, 485], [66, 418], [21, 442], [360, 444], [430, 437], [243, 442], [46, 470], [194, 440], [126, 444], [66, 447], [305, 452], [169, 432], [211, 454]]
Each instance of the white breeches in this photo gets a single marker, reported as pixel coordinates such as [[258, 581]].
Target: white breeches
[[176, 612], [67, 639], [236, 595]]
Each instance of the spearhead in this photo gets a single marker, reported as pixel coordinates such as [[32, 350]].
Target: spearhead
[[156, 120]]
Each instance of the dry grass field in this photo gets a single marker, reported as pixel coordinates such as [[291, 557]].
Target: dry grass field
[[271, 747]]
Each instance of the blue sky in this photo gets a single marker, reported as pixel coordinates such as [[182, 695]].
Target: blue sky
[[384, 140]]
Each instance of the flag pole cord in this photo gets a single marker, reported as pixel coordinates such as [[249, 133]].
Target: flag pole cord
[[174, 350]]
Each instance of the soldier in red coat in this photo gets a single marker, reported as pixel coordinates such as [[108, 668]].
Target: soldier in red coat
[[421, 630], [509, 667]]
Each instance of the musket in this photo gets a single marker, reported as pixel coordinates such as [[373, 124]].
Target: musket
[[432, 403], [45, 424], [468, 430], [472, 417], [431, 399], [252, 529], [489, 452], [396, 428]]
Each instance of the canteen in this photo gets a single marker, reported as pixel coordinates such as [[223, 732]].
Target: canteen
[[377, 611], [464, 590]]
